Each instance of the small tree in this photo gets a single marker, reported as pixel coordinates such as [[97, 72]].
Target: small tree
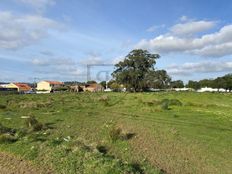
[[114, 85], [91, 82], [103, 83]]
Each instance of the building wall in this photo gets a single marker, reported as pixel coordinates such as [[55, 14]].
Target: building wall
[[43, 85], [12, 85]]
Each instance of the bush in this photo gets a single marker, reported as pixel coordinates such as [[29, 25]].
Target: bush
[[34, 124], [7, 138]]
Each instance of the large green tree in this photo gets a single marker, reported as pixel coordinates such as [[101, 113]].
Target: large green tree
[[158, 79], [177, 84], [228, 80], [133, 70]]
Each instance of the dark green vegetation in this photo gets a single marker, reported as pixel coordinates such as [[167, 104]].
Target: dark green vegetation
[[224, 82], [120, 132], [137, 72]]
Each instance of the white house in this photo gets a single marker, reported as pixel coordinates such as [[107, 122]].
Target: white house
[[47, 86], [183, 89], [206, 89]]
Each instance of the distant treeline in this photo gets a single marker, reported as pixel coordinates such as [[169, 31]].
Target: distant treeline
[[224, 82]]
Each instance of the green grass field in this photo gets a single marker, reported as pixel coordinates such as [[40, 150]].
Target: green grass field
[[121, 132]]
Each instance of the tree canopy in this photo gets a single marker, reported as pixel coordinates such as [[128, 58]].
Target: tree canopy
[[224, 82], [137, 72], [177, 84]]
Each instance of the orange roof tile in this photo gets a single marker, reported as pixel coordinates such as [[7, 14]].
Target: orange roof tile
[[55, 82], [23, 86]]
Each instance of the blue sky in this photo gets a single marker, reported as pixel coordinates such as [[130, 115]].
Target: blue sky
[[56, 39]]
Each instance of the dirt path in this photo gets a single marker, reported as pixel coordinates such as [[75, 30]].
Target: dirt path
[[10, 164]]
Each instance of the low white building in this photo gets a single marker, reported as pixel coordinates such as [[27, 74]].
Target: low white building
[[182, 89], [206, 89], [47, 86], [222, 90], [108, 90]]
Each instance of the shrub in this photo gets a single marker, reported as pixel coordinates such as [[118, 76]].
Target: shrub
[[34, 124], [7, 138]]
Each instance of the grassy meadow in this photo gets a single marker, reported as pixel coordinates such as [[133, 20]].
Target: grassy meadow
[[165, 132]]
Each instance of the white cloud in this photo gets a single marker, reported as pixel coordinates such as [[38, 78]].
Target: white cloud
[[92, 59], [155, 27], [118, 59], [200, 67], [190, 28], [20, 31], [184, 18], [39, 5], [216, 44], [65, 68], [53, 62]]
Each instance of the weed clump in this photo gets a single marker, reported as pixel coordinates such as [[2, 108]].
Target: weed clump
[[7, 134], [104, 99], [102, 149], [2, 106], [7, 130], [175, 102], [136, 168], [7, 138], [165, 104], [34, 124], [115, 134], [55, 142]]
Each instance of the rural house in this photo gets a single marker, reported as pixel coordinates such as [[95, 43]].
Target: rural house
[[48, 86], [22, 87], [19, 87]]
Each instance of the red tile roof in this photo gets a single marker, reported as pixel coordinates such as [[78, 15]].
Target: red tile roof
[[23, 86], [55, 82]]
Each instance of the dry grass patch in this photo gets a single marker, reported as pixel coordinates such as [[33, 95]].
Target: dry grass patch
[[168, 154]]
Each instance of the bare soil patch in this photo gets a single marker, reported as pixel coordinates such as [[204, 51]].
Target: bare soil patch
[[10, 164]]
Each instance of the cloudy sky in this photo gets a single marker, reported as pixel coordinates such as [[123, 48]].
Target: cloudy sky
[[57, 39]]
